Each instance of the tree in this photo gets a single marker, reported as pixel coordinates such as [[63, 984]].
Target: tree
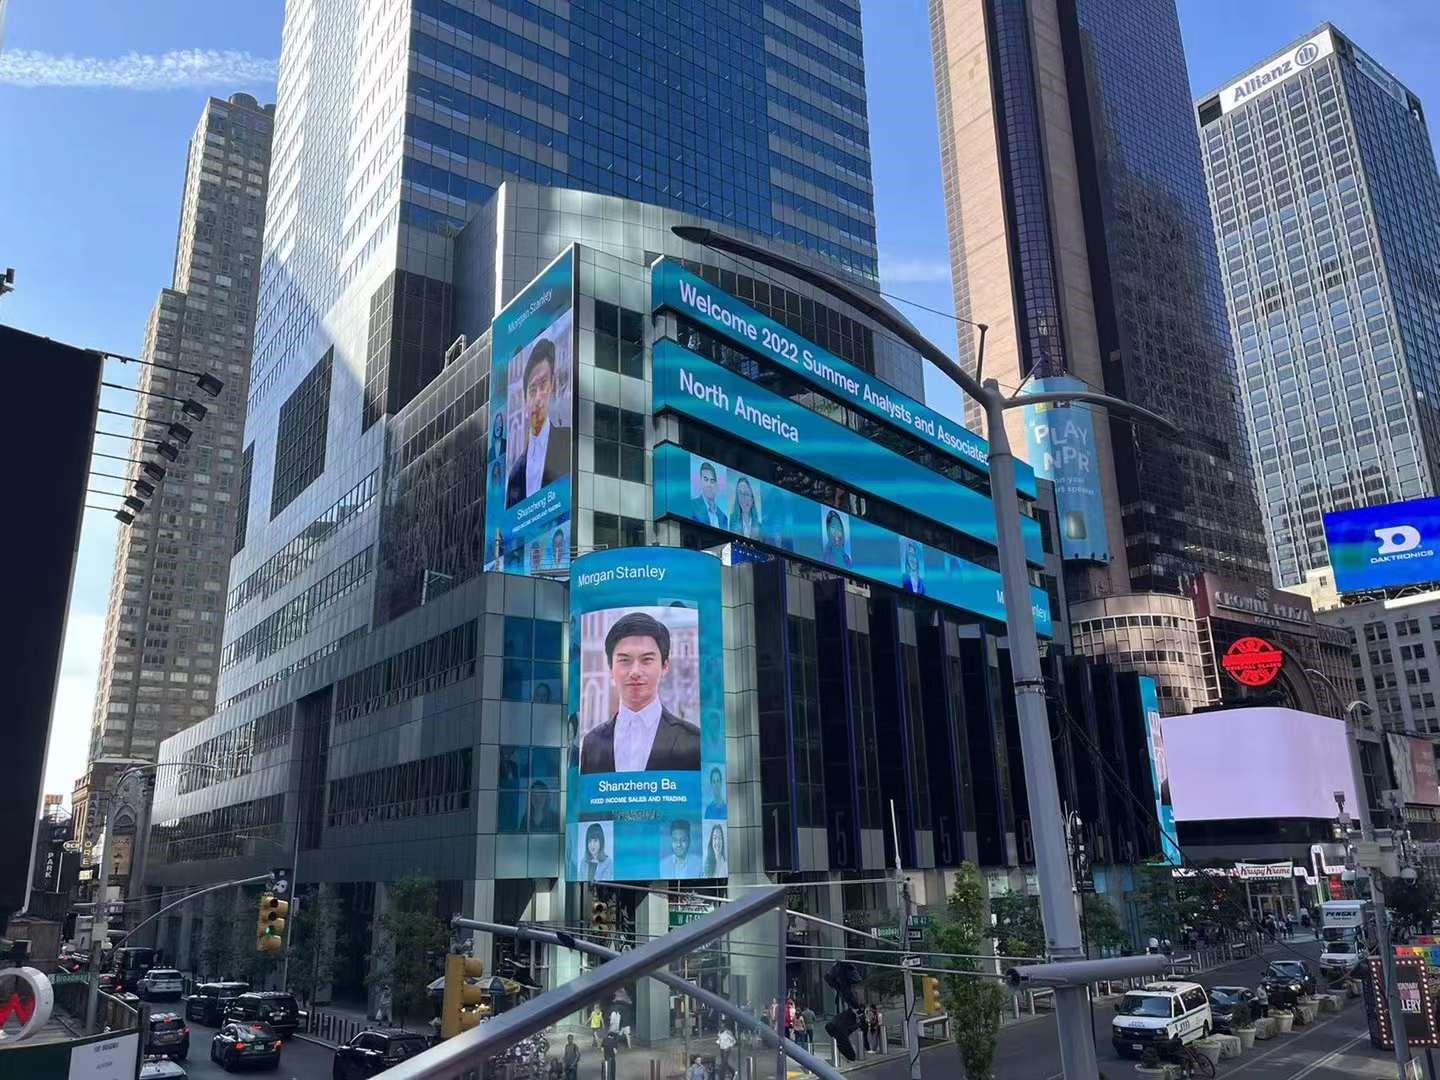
[[1157, 901], [974, 1001], [1101, 923], [1019, 929], [317, 943], [1413, 903], [415, 941]]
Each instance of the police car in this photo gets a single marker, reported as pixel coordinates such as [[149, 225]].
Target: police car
[[1160, 1011]]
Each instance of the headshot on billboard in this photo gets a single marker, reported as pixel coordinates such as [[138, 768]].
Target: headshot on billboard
[[532, 426], [646, 776], [1377, 547]]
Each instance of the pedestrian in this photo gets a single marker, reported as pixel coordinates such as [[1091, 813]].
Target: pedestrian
[[696, 1070], [800, 1031], [811, 1022], [609, 1044], [614, 1020], [789, 1016], [382, 1013], [597, 1022], [872, 1022], [726, 1042], [571, 1059], [772, 1012]]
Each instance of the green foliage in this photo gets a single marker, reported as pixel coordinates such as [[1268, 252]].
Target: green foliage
[[1157, 902], [1413, 903], [1240, 1016], [1019, 929], [1102, 926], [973, 1003], [228, 944], [317, 942], [415, 942], [1150, 1057], [883, 983]]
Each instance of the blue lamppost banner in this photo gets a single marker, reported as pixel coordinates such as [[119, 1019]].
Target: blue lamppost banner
[[646, 781], [1061, 442], [532, 429]]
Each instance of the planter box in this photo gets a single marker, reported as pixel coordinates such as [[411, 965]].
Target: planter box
[[1210, 1047], [1266, 1027], [1164, 1072], [1246, 1038], [1305, 1012], [1283, 1022], [1331, 1003]]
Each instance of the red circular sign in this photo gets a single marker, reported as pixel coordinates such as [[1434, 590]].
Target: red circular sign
[[1253, 661]]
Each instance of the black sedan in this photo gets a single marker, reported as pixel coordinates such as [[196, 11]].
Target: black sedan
[[245, 1044], [169, 1036], [1285, 982], [1223, 1002], [373, 1051]]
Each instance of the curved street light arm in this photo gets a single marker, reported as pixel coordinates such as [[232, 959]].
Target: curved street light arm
[[1119, 406]]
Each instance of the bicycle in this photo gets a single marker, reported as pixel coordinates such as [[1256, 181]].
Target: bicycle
[[1194, 1063]]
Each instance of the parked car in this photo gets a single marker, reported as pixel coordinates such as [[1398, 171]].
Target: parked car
[[1286, 981], [1340, 959], [1224, 999], [1159, 1012], [373, 1051], [245, 1044], [273, 1007], [169, 1036], [207, 1003], [160, 984], [161, 1069]]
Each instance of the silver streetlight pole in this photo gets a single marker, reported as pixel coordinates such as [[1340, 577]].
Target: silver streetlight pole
[[99, 921], [1047, 820]]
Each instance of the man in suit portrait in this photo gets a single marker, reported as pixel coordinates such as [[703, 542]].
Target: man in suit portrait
[[547, 448], [681, 862], [642, 735], [706, 509]]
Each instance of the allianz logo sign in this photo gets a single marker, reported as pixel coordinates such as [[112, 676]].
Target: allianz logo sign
[[1399, 542], [1302, 57]]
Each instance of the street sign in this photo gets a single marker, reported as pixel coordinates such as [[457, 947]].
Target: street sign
[[915, 934], [1367, 853], [113, 907], [923, 920], [910, 961]]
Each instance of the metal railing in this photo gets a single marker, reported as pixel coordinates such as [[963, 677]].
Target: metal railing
[[465, 1056]]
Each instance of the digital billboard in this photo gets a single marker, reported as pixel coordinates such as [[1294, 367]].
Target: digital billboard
[[646, 777], [531, 438], [1377, 547], [1061, 440], [714, 395], [707, 492], [1413, 761], [674, 287], [1159, 771], [1257, 763]]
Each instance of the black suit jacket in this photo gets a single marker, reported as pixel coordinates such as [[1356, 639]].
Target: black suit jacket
[[557, 464], [676, 746]]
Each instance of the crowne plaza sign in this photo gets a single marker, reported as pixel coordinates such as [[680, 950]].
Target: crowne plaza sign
[[1274, 72]]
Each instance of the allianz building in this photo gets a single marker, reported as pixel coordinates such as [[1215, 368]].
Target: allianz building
[[693, 403]]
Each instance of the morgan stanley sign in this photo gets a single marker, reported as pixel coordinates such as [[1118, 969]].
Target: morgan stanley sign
[[1272, 73]]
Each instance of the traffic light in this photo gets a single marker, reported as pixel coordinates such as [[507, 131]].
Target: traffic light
[[270, 930], [458, 1012], [930, 990]]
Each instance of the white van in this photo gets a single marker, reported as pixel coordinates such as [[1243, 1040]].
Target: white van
[[1157, 1012]]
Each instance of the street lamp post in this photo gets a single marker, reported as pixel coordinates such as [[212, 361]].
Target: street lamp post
[[1052, 860], [98, 918], [1377, 890]]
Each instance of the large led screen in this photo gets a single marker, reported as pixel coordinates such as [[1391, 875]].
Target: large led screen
[[646, 778], [1376, 547], [1257, 763], [531, 444], [1159, 771]]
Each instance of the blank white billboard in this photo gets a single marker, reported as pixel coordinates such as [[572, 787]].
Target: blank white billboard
[[1257, 763]]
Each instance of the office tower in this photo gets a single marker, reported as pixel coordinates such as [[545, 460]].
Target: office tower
[[161, 651], [396, 124], [1326, 204], [1080, 232]]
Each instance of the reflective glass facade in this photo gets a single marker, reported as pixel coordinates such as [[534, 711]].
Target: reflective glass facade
[[1327, 215], [398, 125]]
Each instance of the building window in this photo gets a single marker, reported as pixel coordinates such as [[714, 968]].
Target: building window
[[528, 790], [242, 499], [619, 340], [300, 436], [433, 785], [616, 530], [619, 443], [530, 670]]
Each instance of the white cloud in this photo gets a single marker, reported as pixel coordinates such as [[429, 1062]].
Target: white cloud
[[914, 272], [211, 69], [74, 702]]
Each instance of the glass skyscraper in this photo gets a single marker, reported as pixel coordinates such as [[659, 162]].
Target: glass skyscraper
[[394, 127], [1080, 232], [1327, 214]]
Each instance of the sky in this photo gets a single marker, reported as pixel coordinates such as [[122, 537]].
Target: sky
[[97, 106]]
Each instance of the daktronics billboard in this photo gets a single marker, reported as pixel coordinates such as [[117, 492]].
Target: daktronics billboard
[[1289, 764], [1381, 546]]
